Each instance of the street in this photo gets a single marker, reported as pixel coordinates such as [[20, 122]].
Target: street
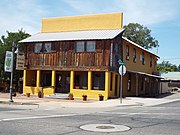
[[151, 120]]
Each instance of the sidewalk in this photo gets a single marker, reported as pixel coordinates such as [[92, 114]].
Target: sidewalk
[[78, 103]]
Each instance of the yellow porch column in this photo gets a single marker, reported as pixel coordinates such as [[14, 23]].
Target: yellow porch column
[[24, 79], [107, 84], [38, 78], [53, 78], [71, 81], [89, 80]]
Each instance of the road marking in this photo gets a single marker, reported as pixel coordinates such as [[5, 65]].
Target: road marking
[[138, 113], [37, 117]]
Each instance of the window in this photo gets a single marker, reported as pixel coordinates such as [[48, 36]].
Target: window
[[98, 82], [80, 46], [47, 47], [90, 46], [150, 61], [134, 55], [45, 78], [38, 47], [81, 80], [127, 52], [143, 59]]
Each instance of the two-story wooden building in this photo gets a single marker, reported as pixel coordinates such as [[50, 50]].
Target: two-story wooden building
[[80, 55]]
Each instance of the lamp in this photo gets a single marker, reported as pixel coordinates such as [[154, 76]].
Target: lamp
[[17, 51]]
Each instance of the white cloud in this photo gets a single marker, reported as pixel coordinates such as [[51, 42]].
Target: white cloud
[[141, 11], [19, 14], [27, 14], [148, 12]]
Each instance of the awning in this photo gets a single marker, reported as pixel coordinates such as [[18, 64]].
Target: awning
[[75, 35], [142, 73]]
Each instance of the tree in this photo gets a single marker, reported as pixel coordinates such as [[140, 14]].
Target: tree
[[166, 66], [6, 45], [179, 67], [140, 35]]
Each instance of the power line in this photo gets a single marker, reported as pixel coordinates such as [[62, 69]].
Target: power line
[[169, 58]]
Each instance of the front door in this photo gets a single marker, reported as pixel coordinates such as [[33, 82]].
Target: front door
[[62, 82]]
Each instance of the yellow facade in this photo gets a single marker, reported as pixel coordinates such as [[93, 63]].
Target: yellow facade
[[138, 66], [76, 92], [28, 88], [78, 23]]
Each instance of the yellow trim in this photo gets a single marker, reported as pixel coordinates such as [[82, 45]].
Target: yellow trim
[[89, 80], [71, 81], [88, 22], [107, 84], [24, 79], [53, 80], [38, 78]]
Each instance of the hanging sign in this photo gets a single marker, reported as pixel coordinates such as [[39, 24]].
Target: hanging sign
[[20, 62], [8, 65]]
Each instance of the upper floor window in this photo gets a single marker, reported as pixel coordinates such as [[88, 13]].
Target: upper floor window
[[80, 46], [90, 46], [127, 52], [47, 47], [150, 61], [38, 47], [142, 58], [134, 55]]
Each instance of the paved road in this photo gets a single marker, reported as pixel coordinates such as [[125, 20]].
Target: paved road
[[151, 120]]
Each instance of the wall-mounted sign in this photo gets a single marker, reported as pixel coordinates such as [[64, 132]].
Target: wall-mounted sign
[[20, 62], [8, 65]]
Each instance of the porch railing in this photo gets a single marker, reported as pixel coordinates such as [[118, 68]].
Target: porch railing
[[68, 59]]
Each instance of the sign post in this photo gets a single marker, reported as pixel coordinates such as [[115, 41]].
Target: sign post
[[122, 71]]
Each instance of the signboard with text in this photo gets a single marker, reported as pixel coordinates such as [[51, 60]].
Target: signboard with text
[[8, 65], [20, 62]]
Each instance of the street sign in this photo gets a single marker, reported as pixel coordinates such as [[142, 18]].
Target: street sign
[[8, 65], [122, 70], [121, 63], [20, 62]]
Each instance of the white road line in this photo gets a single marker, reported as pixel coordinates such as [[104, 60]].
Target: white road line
[[37, 117], [138, 113]]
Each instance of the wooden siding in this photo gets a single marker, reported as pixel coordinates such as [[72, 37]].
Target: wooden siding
[[63, 56]]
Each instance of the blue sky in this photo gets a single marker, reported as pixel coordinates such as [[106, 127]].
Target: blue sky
[[161, 16]]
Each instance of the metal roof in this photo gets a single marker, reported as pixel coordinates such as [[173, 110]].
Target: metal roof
[[139, 46], [142, 73], [75, 35], [171, 75]]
